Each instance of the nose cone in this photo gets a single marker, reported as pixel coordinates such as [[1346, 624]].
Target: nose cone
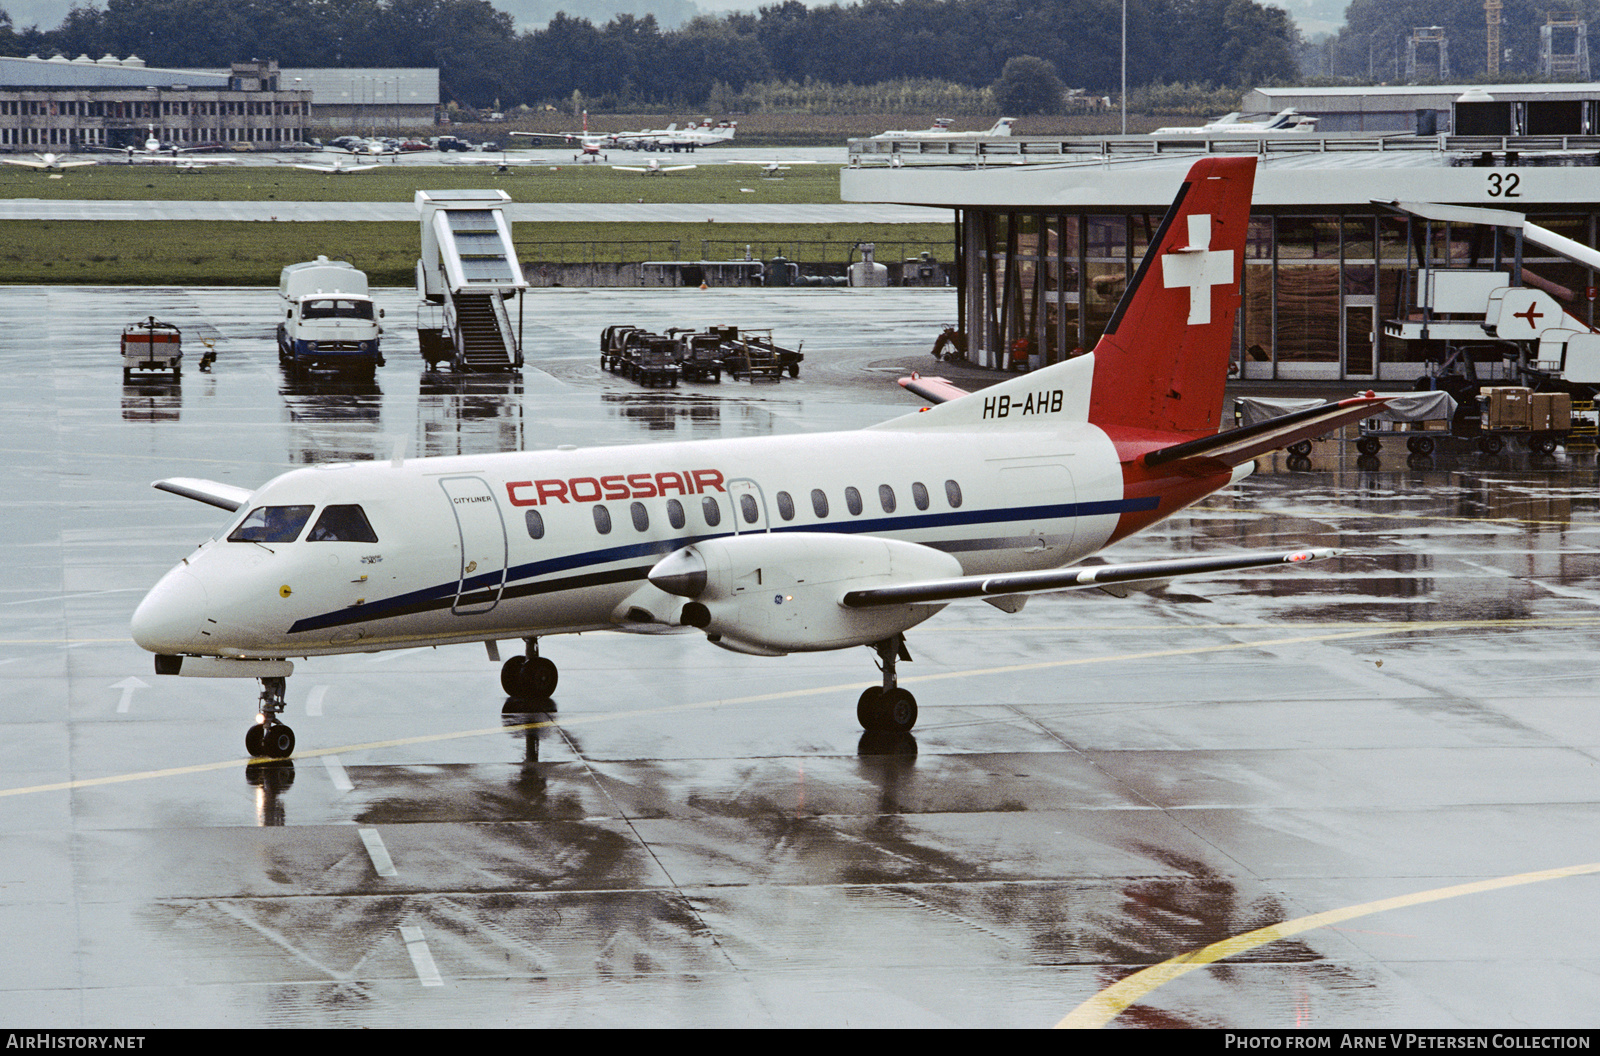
[[169, 618], [682, 572]]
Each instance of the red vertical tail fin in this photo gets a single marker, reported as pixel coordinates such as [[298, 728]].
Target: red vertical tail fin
[[1163, 360]]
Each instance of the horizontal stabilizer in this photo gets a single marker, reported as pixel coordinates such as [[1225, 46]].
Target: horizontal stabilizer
[[1238, 446], [211, 492], [1068, 578], [934, 390]]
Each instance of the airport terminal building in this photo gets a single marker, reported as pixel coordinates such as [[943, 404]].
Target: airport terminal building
[[58, 104], [1048, 231]]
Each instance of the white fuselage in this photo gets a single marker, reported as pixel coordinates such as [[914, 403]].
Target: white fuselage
[[473, 548]]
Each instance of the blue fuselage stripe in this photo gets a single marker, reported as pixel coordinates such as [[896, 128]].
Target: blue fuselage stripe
[[434, 597]]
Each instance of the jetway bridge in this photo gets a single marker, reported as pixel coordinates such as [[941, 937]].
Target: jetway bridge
[[467, 271]]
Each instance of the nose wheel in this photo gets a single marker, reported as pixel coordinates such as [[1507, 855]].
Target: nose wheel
[[268, 738], [888, 708]]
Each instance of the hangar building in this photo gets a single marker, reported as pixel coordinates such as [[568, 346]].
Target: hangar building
[[1048, 231]]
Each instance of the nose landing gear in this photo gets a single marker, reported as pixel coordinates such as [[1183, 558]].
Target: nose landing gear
[[269, 738]]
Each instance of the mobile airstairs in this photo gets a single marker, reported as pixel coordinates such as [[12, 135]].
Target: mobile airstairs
[[467, 271]]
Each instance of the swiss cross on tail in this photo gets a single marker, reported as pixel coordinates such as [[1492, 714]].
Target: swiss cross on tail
[[1162, 363], [1198, 267]]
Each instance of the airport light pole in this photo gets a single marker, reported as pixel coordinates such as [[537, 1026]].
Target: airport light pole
[[1124, 67]]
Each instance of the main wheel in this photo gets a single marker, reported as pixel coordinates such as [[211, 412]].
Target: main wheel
[[1369, 445], [527, 679], [1420, 445], [1301, 448], [887, 711]]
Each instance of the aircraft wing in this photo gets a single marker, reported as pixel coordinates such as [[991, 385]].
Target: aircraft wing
[[211, 492], [1238, 446], [934, 390], [24, 162], [1013, 583]]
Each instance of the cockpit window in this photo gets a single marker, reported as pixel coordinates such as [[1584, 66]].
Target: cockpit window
[[342, 524], [336, 308], [271, 524]]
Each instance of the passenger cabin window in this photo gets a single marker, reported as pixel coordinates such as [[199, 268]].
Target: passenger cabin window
[[711, 511], [748, 507], [852, 501], [641, 516], [535, 525], [785, 505], [675, 513], [919, 495], [271, 524], [819, 503], [886, 498], [952, 493], [342, 524], [602, 520]]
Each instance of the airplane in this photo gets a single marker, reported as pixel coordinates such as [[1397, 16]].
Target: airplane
[[653, 168], [770, 169], [153, 147], [338, 168], [1288, 120], [590, 146], [941, 130], [766, 545], [673, 138], [47, 162]]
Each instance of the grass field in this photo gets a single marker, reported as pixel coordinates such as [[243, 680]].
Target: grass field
[[708, 182], [190, 253], [251, 254]]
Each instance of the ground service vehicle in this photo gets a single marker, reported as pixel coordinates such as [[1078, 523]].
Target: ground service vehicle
[[330, 320], [149, 345]]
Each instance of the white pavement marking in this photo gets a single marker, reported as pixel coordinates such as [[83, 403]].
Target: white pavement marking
[[128, 685], [417, 946], [382, 864], [314, 700], [336, 773]]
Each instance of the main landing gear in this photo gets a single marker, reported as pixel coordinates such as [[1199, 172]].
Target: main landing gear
[[269, 738], [888, 708], [526, 678]]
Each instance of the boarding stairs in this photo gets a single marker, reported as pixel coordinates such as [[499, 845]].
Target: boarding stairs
[[469, 267], [482, 333]]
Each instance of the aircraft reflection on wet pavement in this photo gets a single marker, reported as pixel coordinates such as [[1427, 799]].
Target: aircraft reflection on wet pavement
[[486, 548]]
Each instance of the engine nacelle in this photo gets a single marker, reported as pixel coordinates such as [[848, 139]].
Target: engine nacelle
[[772, 593]]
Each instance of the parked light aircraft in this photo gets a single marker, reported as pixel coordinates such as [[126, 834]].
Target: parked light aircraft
[[706, 134], [47, 162], [653, 168], [767, 545], [770, 169], [337, 168], [589, 146], [941, 130], [1289, 120], [153, 147]]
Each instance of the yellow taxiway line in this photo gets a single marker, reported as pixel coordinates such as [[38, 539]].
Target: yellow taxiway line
[[1109, 1003]]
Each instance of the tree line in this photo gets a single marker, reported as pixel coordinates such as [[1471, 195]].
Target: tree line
[[485, 62]]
